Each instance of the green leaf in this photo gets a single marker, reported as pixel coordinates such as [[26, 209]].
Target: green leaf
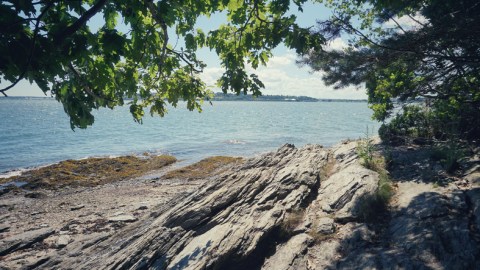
[[88, 67]]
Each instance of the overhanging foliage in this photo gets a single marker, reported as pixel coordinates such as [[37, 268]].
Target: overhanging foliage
[[405, 51], [52, 44]]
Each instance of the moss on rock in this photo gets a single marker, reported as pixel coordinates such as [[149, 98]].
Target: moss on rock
[[90, 171], [204, 168]]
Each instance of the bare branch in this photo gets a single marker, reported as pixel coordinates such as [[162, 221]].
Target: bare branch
[[415, 20], [399, 26]]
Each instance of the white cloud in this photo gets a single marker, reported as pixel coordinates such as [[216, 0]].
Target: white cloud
[[283, 60], [336, 45], [282, 76], [290, 79], [210, 75], [407, 22], [281, 82]]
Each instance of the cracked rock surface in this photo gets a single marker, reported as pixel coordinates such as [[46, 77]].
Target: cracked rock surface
[[426, 227], [294, 208], [222, 225]]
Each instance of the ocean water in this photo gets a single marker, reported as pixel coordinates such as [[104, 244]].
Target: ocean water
[[36, 131]]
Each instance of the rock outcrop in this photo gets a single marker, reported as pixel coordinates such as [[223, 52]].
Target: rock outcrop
[[228, 223], [290, 209], [426, 226]]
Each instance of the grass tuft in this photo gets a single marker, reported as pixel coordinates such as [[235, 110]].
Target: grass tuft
[[320, 237], [293, 219], [373, 205], [204, 168], [449, 156], [365, 151]]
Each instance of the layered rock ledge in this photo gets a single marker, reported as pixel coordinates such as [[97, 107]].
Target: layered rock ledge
[[295, 208]]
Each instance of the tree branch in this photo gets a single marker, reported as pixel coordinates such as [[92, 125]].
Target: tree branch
[[32, 48], [349, 27], [59, 37], [152, 8], [85, 86], [192, 66], [415, 20], [399, 26]]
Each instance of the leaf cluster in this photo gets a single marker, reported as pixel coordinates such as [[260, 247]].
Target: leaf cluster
[[132, 57], [404, 51]]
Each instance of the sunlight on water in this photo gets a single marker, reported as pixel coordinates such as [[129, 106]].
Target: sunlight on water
[[36, 131]]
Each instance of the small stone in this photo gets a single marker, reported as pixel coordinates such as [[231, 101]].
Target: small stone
[[44, 225], [62, 241], [299, 229], [85, 214], [73, 227], [437, 168], [473, 178], [307, 224], [325, 225], [4, 228], [77, 207], [122, 218], [327, 208], [23, 240], [142, 207], [35, 195], [119, 213]]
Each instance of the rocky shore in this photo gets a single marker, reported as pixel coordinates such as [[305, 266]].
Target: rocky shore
[[294, 208]]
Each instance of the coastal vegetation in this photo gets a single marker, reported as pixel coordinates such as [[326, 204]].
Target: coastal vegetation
[[234, 97], [90, 171], [287, 98], [203, 169], [371, 157], [408, 51], [410, 201], [402, 52]]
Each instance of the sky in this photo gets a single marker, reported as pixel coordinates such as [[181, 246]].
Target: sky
[[281, 76]]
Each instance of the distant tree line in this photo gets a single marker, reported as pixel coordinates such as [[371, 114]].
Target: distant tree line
[[233, 97]]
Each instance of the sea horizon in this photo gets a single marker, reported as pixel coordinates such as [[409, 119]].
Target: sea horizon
[[37, 131]]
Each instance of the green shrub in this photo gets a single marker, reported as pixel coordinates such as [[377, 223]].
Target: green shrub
[[414, 121], [385, 190], [372, 206], [444, 120], [365, 149], [457, 119], [449, 155]]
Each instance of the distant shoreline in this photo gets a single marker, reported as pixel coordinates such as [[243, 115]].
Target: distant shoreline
[[233, 97], [280, 98]]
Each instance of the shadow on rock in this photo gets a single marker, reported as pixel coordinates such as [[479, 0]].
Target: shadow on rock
[[434, 231]]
